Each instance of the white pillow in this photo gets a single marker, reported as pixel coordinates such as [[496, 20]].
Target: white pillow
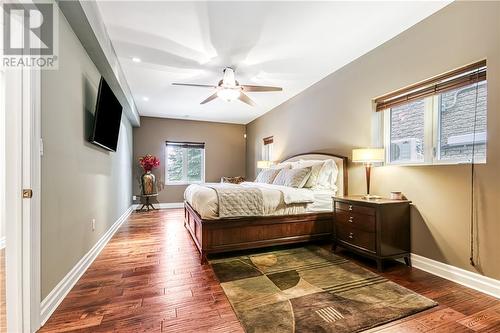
[[328, 175], [316, 167], [292, 177], [267, 176]]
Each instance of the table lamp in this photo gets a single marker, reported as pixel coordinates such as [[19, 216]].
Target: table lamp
[[368, 156], [264, 164]]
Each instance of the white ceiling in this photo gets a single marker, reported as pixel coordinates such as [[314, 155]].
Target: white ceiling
[[287, 44]]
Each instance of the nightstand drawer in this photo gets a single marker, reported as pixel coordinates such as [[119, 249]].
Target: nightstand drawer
[[359, 221], [354, 208], [356, 237]]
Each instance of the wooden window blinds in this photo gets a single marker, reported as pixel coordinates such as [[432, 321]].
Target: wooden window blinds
[[268, 140], [199, 145], [457, 78]]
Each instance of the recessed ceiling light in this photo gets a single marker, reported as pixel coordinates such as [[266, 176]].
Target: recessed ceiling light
[[145, 99], [135, 59]]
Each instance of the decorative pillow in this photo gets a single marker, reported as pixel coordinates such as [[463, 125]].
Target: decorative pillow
[[292, 177], [267, 176], [316, 167], [232, 180]]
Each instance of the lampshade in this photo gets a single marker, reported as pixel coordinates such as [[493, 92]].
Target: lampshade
[[264, 164], [368, 155]]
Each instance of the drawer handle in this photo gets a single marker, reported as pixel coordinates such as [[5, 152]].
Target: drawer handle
[[351, 235], [350, 207], [351, 219]]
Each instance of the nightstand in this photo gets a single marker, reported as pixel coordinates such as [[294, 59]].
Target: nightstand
[[375, 228]]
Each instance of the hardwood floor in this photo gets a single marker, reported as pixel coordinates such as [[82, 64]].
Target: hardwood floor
[[148, 279]]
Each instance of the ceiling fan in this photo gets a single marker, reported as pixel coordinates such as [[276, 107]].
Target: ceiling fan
[[229, 89]]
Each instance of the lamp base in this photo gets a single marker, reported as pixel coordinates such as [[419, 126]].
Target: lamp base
[[371, 197]]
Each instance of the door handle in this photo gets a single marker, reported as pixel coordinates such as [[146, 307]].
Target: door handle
[[27, 193]]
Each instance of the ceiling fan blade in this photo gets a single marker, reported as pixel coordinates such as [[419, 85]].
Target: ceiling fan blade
[[210, 98], [194, 85], [248, 88], [247, 100]]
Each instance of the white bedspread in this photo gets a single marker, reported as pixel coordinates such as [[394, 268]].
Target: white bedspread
[[236, 200], [291, 195], [278, 200]]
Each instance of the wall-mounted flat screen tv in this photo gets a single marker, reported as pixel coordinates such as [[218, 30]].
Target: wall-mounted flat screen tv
[[107, 117]]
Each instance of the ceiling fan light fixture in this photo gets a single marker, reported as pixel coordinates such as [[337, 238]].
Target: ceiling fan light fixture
[[228, 94], [229, 89], [228, 80]]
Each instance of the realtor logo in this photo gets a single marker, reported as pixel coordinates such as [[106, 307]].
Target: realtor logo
[[29, 35]]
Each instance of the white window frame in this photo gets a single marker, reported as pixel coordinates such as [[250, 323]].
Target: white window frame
[[437, 131], [427, 137], [431, 137], [184, 180]]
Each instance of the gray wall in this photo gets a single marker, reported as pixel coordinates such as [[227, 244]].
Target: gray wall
[[79, 180], [335, 115], [224, 149]]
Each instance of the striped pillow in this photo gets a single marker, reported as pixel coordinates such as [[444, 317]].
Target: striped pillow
[[293, 177], [316, 167], [267, 176]]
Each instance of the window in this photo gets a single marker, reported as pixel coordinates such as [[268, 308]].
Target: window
[[267, 149], [185, 163], [456, 112], [407, 133], [441, 122]]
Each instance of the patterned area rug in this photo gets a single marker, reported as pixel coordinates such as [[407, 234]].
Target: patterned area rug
[[309, 289]]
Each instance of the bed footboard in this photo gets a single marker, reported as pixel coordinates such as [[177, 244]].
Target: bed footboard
[[224, 235]]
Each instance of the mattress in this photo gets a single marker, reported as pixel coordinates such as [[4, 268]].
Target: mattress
[[277, 200]]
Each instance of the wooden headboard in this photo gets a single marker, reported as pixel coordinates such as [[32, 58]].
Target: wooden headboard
[[341, 162]]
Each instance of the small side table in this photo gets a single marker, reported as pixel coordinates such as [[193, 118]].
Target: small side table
[[146, 202], [377, 228]]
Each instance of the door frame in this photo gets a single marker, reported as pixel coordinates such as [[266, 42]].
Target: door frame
[[32, 151], [23, 143]]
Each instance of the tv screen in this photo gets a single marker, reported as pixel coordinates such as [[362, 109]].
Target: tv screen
[[107, 117]]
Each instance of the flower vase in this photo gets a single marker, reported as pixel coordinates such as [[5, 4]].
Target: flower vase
[[148, 181]]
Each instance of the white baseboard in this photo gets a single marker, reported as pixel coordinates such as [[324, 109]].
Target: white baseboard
[[56, 296], [2, 243], [164, 205], [472, 280]]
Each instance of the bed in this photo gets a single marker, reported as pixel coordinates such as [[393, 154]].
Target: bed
[[280, 223]]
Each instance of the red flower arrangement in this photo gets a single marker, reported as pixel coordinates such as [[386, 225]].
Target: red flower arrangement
[[149, 162]]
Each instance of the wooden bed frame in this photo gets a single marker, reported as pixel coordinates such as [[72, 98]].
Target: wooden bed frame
[[231, 234]]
